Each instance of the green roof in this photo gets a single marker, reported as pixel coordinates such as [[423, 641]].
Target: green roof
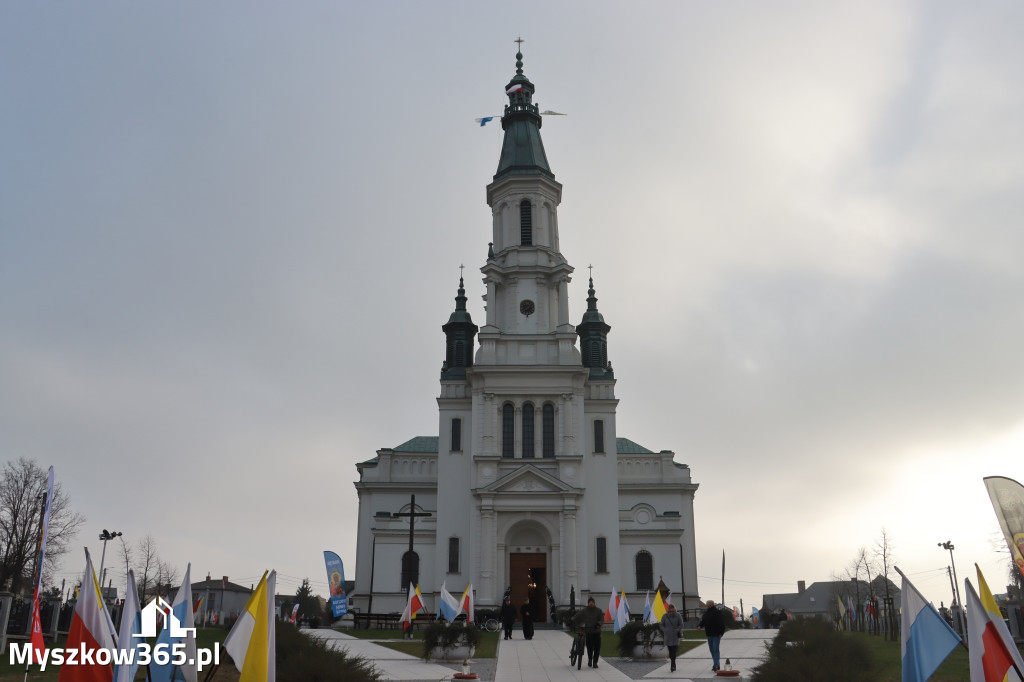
[[625, 446], [418, 444]]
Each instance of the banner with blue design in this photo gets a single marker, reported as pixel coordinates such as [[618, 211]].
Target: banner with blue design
[[336, 581]]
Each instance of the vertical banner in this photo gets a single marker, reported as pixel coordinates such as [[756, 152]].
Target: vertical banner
[[37, 630], [1008, 501], [336, 580]]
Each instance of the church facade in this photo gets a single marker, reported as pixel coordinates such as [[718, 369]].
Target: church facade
[[527, 484]]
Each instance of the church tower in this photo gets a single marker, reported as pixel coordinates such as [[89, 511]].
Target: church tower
[[527, 485]]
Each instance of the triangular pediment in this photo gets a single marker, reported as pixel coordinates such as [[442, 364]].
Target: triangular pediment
[[529, 479]]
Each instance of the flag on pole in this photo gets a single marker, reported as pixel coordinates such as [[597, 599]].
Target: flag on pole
[[613, 607], [926, 639], [621, 613], [991, 657], [853, 611], [1007, 497], [548, 112], [515, 88], [414, 605], [447, 605], [995, 617], [658, 608], [295, 612], [88, 631], [648, 612], [253, 638], [466, 603], [181, 608], [668, 598], [130, 635], [484, 120], [38, 646]]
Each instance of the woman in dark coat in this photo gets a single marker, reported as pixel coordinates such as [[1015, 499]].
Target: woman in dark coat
[[672, 630], [508, 617]]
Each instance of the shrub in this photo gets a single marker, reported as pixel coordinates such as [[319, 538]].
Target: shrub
[[448, 636], [636, 633], [811, 649], [311, 659]]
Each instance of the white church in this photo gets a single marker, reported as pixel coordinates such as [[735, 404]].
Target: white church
[[527, 484]]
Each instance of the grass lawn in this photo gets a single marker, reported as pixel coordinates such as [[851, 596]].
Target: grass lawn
[[886, 655], [205, 639]]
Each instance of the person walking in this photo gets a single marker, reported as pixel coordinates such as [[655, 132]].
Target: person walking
[[508, 617], [591, 619], [526, 613], [671, 629], [714, 627]]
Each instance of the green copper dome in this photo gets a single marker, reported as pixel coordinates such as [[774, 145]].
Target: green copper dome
[[522, 151]]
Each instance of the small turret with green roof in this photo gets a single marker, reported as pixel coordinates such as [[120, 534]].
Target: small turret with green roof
[[593, 333], [461, 333]]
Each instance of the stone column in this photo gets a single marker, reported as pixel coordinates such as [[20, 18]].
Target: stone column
[[563, 301], [491, 292], [487, 552]]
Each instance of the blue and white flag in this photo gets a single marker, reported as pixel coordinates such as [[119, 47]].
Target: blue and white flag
[[130, 637], [447, 605], [179, 627], [647, 607], [926, 639], [484, 121]]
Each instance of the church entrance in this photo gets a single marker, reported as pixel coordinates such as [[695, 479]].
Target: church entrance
[[528, 576]]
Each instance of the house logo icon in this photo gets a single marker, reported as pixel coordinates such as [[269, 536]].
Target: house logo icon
[[159, 607]]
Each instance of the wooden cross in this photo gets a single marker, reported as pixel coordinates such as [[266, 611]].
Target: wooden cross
[[412, 514]]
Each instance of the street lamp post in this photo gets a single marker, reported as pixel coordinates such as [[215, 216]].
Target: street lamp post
[[106, 535], [948, 544]]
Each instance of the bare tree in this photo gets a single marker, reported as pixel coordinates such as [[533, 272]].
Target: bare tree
[[885, 558], [146, 565], [22, 489]]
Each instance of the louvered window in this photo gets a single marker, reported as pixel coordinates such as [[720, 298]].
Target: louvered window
[[525, 223], [528, 431], [456, 434], [453, 555], [508, 432], [548, 417], [602, 555]]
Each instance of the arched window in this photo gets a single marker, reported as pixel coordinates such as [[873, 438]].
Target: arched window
[[410, 570], [525, 223], [528, 431], [508, 431], [548, 430], [644, 570]]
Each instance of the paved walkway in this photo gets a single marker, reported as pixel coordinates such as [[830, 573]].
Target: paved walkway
[[546, 658]]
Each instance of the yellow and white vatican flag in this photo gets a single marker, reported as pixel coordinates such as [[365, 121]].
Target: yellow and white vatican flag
[[251, 642]]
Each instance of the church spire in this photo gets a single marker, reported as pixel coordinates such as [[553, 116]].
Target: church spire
[[593, 333], [460, 332], [522, 151]]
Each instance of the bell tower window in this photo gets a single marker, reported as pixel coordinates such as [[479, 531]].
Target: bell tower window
[[548, 428], [508, 432], [525, 223], [528, 431]]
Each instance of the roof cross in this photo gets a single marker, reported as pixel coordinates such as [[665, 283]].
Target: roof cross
[[520, 41]]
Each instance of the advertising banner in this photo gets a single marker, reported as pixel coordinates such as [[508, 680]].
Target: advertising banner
[[1008, 501], [336, 581]]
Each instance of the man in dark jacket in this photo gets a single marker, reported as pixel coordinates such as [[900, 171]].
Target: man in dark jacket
[[590, 620], [508, 617], [714, 628], [526, 613]]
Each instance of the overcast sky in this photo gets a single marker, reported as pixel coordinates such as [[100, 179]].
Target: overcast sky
[[230, 233]]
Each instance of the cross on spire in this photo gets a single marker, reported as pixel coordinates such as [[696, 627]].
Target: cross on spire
[[591, 268], [460, 271], [520, 42]]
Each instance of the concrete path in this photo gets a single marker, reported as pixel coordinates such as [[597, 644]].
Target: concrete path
[[394, 664], [545, 658]]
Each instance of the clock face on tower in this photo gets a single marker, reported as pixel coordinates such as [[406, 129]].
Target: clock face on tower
[[526, 307]]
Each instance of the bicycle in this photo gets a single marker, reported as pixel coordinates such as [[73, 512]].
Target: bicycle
[[579, 644], [492, 625]]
